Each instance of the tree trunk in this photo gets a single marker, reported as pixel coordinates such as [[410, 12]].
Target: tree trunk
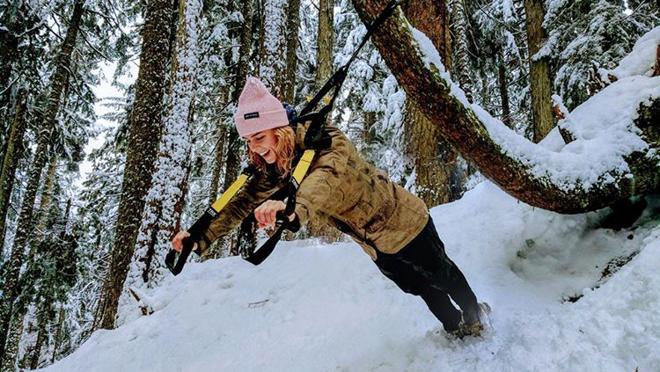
[[461, 66], [57, 339], [463, 129], [433, 158], [292, 29], [234, 144], [325, 42], [25, 222], [42, 334], [504, 92], [8, 362], [539, 70], [163, 204], [42, 218], [143, 139], [13, 154], [324, 68], [218, 161], [272, 69]]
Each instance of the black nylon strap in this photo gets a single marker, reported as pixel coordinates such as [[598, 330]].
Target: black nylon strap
[[337, 79]]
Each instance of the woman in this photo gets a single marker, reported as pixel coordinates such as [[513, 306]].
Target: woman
[[391, 225]]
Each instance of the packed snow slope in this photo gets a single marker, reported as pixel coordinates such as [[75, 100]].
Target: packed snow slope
[[322, 307]]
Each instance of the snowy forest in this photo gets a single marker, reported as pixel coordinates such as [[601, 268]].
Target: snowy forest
[[530, 128]]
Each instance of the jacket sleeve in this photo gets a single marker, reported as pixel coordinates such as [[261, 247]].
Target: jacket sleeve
[[255, 192], [322, 189]]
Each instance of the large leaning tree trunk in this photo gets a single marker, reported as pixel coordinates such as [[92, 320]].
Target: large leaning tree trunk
[[144, 135], [12, 287], [164, 202], [499, 153], [434, 160], [539, 70]]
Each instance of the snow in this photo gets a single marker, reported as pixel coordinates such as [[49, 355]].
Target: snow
[[318, 307], [602, 126], [641, 60]]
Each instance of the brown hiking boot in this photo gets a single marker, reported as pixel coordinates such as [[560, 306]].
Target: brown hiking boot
[[474, 328]]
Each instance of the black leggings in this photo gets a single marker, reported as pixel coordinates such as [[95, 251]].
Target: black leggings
[[423, 269]]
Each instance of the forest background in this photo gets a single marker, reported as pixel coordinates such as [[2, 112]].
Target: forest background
[[93, 187]]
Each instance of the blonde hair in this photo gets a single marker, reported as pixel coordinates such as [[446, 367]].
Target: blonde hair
[[284, 151]]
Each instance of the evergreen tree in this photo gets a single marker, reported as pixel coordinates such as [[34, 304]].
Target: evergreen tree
[[163, 206], [12, 287], [586, 38], [144, 133]]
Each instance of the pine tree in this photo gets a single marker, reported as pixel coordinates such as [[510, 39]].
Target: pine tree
[[587, 38], [11, 286], [163, 206], [143, 137]]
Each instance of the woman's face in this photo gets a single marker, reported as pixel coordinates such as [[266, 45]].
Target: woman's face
[[263, 143]]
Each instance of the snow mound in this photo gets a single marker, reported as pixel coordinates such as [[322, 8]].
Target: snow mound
[[318, 307], [640, 61]]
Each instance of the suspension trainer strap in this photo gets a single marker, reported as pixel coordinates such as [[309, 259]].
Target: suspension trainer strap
[[174, 260], [337, 79], [313, 137], [282, 221]]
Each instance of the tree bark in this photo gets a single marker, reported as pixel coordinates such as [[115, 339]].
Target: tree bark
[[57, 339], [461, 127], [325, 42], [164, 202], [143, 139], [219, 152], [12, 288], [504, 92], [461, 66], [539, 70], [292, 30], [234, 143], [433, 158], [13, 154], [42, 334], [272, 69]]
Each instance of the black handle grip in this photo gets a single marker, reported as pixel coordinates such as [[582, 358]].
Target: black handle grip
[[175, 261]]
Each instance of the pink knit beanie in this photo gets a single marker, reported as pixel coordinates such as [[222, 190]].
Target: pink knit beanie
[[258, 109]]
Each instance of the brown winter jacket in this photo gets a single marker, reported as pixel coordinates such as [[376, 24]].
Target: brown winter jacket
[[342, 189]]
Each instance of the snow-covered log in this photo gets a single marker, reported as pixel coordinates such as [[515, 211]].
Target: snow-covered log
[[614, 155]]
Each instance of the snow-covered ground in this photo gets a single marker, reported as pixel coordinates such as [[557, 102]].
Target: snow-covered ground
[[321, 307]]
